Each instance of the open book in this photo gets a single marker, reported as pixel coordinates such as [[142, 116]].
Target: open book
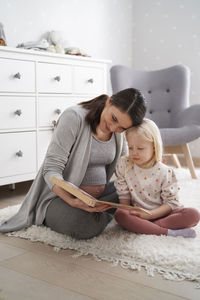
[[88, 199]]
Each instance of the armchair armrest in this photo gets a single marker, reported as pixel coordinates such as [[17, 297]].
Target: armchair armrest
[[189, 116]]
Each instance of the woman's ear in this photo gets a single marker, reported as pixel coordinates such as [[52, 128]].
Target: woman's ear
[[108, 101]]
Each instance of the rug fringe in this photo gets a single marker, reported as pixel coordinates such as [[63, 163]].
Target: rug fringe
[[150, 269], [43, 234]]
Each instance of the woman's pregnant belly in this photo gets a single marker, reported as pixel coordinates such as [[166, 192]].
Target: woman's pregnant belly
[[94, 190]]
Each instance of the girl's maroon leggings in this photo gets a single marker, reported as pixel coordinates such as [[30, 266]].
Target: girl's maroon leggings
[[177, 219]]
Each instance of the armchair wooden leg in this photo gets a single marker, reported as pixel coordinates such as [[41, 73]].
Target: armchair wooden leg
[[182, 149], [176, 160], [189, 161]]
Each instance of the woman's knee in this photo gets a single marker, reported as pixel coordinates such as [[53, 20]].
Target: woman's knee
[[90, 226], [75, 222]]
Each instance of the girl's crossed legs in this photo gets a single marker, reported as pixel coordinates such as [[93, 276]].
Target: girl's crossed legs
[[179, 218]]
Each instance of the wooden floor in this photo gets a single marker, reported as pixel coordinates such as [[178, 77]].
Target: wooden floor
[[34, 271]]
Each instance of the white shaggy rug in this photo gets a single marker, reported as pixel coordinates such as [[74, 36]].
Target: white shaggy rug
[[174, 258]]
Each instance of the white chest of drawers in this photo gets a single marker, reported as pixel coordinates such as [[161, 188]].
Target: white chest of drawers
[[35, 88]]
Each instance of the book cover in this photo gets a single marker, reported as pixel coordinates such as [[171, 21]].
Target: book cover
[[87, 198]]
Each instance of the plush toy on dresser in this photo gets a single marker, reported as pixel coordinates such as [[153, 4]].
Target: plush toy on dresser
[[2, 36], [52, 41], [56, 42]]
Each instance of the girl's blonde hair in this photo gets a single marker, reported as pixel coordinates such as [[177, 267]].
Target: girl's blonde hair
[[150, 132]]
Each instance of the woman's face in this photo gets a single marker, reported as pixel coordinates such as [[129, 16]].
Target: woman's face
[[113, 119]]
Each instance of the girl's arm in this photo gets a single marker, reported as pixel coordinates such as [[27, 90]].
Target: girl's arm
[[156, 213], [161, 211]]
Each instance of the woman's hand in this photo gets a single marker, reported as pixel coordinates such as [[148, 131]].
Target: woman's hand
[[75, 202]]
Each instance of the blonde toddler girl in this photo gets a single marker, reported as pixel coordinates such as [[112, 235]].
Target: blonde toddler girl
[[144, 181]]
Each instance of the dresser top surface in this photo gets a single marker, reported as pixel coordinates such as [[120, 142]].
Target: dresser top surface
[[11, 50]]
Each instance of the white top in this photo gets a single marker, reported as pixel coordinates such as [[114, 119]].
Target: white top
[[147, 188]]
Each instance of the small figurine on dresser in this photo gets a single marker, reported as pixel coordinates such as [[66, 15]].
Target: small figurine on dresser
[[51, 41], [2, 36]]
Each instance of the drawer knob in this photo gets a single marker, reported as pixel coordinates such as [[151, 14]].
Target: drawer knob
[[17, 75], [91, 80], [57, 78], [18, 112], [19, 153], [58, 111], [54, 123]]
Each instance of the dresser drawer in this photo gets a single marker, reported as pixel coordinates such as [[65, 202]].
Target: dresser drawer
[[44, 138], [17, 112], [54, 78], [17, 76], [88, 80], [18, 153], [50, 108]]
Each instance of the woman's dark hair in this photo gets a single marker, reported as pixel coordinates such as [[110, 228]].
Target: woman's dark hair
[[130, 101]]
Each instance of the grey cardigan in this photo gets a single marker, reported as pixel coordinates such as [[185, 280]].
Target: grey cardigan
[[67, 157]]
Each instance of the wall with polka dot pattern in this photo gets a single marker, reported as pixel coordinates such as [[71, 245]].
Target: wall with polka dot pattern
[[165, 33]]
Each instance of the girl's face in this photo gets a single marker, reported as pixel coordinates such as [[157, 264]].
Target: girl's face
[[113, 119], [141, 151]]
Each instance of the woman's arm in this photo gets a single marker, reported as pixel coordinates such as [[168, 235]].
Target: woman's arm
[[64, 137], [75, 202]]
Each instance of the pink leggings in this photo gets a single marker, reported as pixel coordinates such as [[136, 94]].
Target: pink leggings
[[177, 219]]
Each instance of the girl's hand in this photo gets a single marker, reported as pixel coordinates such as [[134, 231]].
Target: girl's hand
[[81, 205], [141, 214]]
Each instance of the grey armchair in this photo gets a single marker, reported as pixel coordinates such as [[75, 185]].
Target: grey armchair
[[167, 95]]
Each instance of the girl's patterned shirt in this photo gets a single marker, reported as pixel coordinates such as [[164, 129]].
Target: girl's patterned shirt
[[147, 188]]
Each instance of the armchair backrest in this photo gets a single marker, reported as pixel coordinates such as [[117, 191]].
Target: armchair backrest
[[166, 91]]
